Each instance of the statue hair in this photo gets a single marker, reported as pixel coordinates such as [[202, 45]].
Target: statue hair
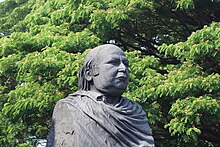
[[83, 83]]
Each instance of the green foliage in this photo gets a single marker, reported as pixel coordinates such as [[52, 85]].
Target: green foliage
[[186, 100], [192, 4], [202, 48], [12, 13], [177, 83], [190, 114], [132, 23]]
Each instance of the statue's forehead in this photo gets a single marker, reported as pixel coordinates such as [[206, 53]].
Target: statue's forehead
[[104, 51], [112, 54], [111, 50]]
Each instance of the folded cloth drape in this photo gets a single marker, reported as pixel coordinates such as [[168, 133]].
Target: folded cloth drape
[[83, 119]]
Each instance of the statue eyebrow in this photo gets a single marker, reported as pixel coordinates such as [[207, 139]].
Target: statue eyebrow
[[112, 58], [123, 59]]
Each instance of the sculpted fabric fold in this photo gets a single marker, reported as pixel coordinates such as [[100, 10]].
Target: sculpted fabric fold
[[124, 124]]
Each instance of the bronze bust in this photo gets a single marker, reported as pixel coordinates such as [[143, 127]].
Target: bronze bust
[[97, 115]]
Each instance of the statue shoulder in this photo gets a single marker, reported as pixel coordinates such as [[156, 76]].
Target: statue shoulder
[[63, 122], [65, 106]]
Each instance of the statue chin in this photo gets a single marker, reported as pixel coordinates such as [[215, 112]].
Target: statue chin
[[120, 84], [116, 88]]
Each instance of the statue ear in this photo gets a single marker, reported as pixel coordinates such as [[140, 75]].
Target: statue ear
[[91, 70], [88, 74]]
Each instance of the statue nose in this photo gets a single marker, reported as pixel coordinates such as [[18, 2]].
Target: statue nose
[[122, 67]]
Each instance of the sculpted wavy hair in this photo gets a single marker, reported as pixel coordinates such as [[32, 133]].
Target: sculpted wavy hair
[[83, 83]]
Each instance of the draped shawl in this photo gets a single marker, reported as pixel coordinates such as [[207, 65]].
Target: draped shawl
[[83, 119]]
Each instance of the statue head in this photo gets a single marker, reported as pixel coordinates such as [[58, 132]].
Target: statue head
[[105, 70]]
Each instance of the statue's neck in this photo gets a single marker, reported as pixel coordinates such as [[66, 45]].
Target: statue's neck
[[108, 99], [111, 100]]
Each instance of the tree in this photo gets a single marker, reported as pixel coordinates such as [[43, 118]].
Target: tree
[[186, 99], [177, 83]]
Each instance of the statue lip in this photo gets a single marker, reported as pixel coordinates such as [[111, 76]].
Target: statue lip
[[122, 77]]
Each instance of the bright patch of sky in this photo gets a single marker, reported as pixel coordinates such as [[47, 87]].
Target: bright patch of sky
[[2, 0]]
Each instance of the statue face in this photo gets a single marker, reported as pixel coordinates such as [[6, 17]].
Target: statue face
[[113, 72]]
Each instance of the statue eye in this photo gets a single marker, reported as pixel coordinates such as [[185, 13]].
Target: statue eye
[[113, 62], [126, 63]]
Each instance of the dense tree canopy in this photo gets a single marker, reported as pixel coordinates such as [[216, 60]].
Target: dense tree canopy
[[173, 48]]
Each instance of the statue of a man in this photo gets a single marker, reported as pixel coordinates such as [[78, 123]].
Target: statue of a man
[[97, 115]]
